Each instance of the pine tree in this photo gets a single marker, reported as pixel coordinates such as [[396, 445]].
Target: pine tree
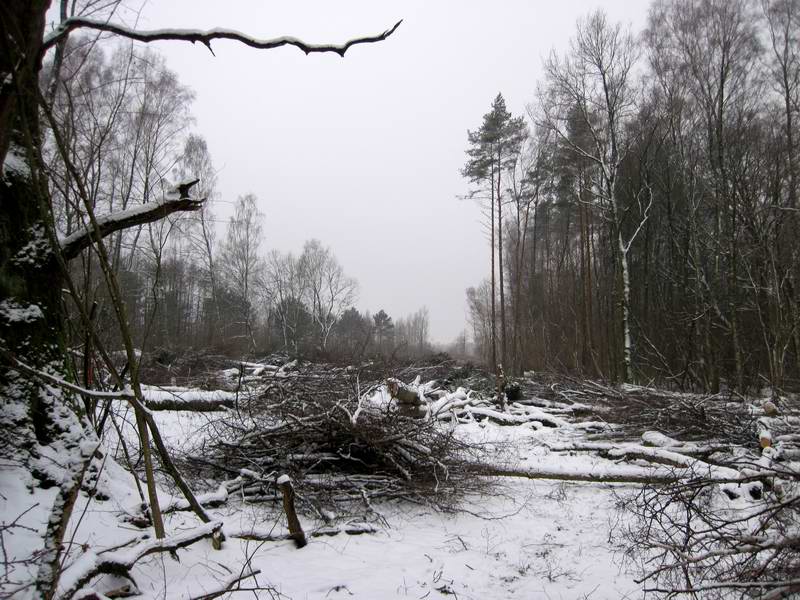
[[493, 151]]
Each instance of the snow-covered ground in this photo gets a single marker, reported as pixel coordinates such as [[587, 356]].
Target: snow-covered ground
[[519, 539], [529, 540]]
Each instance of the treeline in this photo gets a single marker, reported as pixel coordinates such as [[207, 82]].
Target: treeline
[[644, 217], [124, 123]]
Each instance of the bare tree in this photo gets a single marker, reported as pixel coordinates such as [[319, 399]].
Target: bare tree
[[329, 291], [241, 266], [285, 291]]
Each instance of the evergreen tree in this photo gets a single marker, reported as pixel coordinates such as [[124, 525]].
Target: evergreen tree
[[384, 329], [493, 152]]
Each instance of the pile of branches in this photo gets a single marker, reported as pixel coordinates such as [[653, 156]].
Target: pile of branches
[[703, 538], [319, 426], [637, 409]]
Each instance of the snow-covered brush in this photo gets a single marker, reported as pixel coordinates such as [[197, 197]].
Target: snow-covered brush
[[338, 445], [700, 537]]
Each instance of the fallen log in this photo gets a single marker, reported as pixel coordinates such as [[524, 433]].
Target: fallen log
[[270, 536], [408, 399], [610, 474], [194, 400]]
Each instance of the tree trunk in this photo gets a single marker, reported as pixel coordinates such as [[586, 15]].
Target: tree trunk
[[38, 428], [625, 300], [503, 334], [493, 311]]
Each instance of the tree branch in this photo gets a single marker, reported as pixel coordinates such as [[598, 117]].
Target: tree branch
[[57, 381], [205, 37], [73, 244], [120, 562], [227, 586]]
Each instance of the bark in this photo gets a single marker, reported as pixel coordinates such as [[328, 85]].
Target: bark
[[492, 248], [295, 530], [500, 251]]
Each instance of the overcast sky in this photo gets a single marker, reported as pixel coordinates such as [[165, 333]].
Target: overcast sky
[[364, 152]]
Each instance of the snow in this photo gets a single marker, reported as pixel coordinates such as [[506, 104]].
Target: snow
[[16, 163], [31, 255], [656, 438], [530, 540], [13, 312], [534, 538], [156, 394]]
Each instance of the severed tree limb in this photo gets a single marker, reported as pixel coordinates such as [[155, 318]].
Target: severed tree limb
[[74, 243], [205, 37], [783, 589], [120, 562]]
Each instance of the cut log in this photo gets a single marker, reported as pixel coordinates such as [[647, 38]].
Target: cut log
[[403, 393]]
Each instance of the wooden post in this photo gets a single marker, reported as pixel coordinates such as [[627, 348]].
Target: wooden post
[[295, 530]]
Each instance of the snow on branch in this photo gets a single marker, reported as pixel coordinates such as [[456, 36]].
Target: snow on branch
[[120, 562], [74, 243], [57, 381], [206, 37]]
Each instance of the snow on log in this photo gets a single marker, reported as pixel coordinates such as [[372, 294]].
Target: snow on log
[[176, 398], [528, 415], [211, 500], [269, 535], [658, 439], [594, 473]]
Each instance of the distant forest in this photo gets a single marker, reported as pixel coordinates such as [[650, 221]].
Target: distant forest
[[126, 121], [644, 217]]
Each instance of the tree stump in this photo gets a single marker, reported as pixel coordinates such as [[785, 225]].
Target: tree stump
[[408, 400], [295, 530]]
